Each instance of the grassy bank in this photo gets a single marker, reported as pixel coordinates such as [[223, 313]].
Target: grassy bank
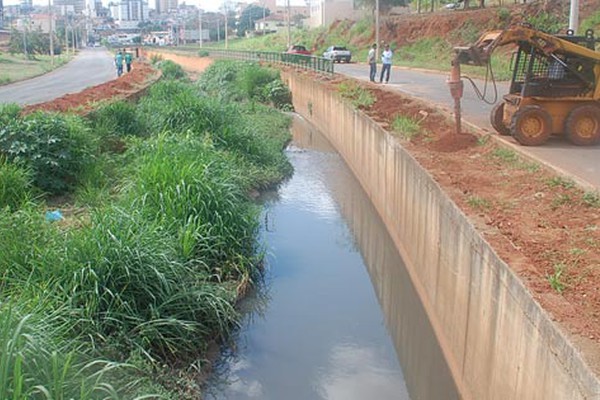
[[122, 296], [18, 67]]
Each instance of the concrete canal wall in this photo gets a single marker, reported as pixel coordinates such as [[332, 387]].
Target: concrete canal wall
[[498, 341]]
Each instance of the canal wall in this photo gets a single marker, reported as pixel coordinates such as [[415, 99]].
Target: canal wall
[[498, 342]]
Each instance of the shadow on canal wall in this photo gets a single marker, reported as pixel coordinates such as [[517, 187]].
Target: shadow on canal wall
[[497, 340], [425, 370]]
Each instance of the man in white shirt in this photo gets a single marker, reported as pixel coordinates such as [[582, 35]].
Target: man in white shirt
[[372, 60], [386, 61]]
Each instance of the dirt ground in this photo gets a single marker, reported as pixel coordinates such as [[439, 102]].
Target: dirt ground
[[127, 86], [542, 225]]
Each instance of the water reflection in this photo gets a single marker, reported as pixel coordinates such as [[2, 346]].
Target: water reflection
[[320, 332]]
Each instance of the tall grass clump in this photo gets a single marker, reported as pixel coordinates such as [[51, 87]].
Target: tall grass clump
[[177, 107], [198, 194], [116, 120], [136, 292], [234, 128], [30, 249], [171, 70], [245, 81], [56, 148], [15, 185], [37, 362]]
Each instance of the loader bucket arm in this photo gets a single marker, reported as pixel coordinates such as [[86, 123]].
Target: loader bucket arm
[[479, 54]]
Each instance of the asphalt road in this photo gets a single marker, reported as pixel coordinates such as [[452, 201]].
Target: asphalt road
[[90, 67], [581, 162]]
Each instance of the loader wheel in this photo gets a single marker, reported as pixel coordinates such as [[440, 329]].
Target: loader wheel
[[583, 125], [496, 118], [531, 125]]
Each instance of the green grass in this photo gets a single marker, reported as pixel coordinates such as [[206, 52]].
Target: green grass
[[158, 242], [18, 67], [358, 96], [556, 278], [406, 127], [479, 203]]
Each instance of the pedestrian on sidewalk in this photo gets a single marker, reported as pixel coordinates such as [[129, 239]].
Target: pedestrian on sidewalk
[[128, 59], [372, 60], [386, 61], [119, 63]]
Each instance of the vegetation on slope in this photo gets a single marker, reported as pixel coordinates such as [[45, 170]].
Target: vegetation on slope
[[158, 240]]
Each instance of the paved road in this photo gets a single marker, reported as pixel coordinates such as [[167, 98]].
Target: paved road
[[582, 162], [91, 67]]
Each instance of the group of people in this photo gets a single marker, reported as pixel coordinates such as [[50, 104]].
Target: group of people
[[386, 62], [120, 58]]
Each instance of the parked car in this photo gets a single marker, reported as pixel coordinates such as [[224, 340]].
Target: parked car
[[298, 49], [338, 53]]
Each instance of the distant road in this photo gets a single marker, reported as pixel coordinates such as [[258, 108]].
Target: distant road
[[90, 67], [581, 162]]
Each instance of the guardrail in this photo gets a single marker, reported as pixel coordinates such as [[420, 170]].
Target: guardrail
[[318, 64]]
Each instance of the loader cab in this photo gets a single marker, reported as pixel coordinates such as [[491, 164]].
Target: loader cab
[[535, 74]]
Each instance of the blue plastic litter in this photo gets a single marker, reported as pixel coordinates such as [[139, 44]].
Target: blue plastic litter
[[52, 216]]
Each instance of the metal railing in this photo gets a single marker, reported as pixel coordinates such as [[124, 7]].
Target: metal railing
[[318, 64]]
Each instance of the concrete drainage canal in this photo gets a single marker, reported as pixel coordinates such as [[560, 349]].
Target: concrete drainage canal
[[337, 316]]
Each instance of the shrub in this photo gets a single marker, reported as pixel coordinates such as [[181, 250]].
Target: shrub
[[278, 94], [57, 148], [546, 22], [15, 185], [171, 70], [118, 119]]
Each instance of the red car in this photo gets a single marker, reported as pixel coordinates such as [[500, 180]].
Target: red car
[[298, 49]]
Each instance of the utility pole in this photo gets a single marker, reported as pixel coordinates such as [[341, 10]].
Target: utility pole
[[200, 27], [226, 27], [289, 32], [377, 30], [66, 37], [574, 16], [264, 23], [51, 33], [25, 24]]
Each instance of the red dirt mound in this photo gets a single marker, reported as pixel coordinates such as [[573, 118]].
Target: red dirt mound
[[127, 86]]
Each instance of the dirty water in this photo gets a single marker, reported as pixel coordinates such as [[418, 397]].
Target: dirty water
[[336, 317]]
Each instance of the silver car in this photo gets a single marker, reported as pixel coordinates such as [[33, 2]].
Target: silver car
[[338, 53]]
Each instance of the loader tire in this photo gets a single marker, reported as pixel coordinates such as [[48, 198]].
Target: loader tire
[[496, 119], [583, 125], [531, 125]]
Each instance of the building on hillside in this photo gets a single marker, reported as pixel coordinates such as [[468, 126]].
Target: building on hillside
[[26, 4], [128, 14], [324, 12], [270, 24], [35, 22], [166, 6], [69, 7]]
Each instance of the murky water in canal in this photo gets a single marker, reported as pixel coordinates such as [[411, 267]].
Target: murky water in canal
[[318, 329]]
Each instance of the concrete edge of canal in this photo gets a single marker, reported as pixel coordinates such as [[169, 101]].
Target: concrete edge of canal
[[498, 341]]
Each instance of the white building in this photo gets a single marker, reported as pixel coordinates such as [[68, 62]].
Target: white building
[[324, 12], [128, 14], [272, 23]]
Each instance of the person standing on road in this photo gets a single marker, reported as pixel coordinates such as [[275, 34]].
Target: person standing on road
[[372, 60], [128, 60], [386, 61], [119, 63]]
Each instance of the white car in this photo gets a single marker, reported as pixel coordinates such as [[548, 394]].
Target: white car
[[338, 53]]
